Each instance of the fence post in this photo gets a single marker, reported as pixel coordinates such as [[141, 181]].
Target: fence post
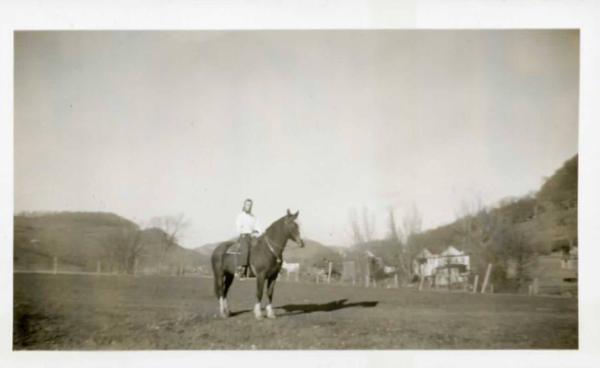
[[487, 278], [475, 282], [535, 286], [491, 288], [329, 273], [396, 281], [421, 280], [298, 273], [55, 265]]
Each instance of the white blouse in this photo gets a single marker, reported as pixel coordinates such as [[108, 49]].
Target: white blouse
[[247, 224]]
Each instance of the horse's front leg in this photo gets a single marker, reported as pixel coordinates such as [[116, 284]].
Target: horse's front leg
[[270, 289], [260, 285]]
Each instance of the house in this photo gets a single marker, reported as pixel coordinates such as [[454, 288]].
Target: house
[[425, 263], [449, 267]]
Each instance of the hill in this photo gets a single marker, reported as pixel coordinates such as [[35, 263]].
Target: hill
[[81, 240], [546, 220], [516, 230], [206, 249], [313, 253]]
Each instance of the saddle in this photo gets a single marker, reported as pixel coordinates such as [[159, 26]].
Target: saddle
[[242, 256], [234, 248]]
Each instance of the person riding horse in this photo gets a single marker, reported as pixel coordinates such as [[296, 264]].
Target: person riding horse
[[266, 259], [248, 228]]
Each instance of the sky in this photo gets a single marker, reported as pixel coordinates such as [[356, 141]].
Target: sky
[[147, 124]]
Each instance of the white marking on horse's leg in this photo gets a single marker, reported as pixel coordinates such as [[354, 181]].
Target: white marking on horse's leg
[[222, 307], [257, 311], [226, 307], [270, 312]]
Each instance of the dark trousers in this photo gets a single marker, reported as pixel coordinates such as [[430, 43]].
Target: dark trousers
[[245, 243]]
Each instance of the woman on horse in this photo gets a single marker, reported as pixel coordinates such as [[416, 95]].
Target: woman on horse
[[248, 228]]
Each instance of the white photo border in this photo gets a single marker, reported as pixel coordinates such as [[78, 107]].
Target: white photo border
[[312, 14]]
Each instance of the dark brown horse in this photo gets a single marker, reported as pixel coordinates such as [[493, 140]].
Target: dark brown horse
[[265, 261]]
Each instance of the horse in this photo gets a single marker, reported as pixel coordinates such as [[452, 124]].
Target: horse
[[265, 262]]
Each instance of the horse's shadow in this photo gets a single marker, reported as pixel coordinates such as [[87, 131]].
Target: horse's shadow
[[237, 313], [295, 309]]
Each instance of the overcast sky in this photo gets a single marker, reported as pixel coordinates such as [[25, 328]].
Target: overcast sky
[[145, 124]]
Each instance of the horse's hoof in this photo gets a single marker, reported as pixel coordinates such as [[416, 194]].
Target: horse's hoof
[[257, 312], [270, 313]]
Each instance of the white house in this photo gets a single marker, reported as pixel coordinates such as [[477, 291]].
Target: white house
[[425, 263], [450, 266], [453, 256]]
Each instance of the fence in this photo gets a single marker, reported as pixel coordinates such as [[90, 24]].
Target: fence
[[352, 273], [103, 267]]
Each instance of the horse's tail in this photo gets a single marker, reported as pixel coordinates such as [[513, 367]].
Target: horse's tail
[[217, 261]]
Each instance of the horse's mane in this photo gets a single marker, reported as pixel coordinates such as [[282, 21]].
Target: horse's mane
[[274, 224]]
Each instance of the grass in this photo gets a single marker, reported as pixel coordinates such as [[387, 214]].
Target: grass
[[86, 312]]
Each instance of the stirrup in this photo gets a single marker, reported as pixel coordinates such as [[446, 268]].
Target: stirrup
[[242, 272]]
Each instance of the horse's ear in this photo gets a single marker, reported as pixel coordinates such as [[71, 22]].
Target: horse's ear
[[288, 212], [296, 214]]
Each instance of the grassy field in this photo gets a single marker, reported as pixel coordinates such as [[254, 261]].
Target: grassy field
[[87, 312]]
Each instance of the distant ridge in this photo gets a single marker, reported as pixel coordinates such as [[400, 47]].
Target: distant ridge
[[82, 240], [312, 253]]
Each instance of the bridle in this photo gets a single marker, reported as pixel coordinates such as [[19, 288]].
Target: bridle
[[270, 246]]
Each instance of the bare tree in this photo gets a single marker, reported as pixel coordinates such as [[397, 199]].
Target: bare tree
[[394, 234], [357, 236], [412, 223], [124, 247], [405, 238], [171, 229], [478, 228], [363, 228], [368, 224]]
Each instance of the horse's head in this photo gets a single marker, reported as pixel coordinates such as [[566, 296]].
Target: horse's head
[[292, 228]]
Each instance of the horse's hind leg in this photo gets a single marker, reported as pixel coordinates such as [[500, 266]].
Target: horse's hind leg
[[228, 280], [221, 293], [260, 285], [270, 289]]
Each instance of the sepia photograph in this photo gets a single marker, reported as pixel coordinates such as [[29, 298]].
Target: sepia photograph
[[380, 189]]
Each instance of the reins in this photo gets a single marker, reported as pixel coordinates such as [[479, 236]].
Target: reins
[[272, 249]]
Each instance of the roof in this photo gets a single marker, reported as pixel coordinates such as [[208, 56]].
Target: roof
[[451, 251], [425, 253]]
